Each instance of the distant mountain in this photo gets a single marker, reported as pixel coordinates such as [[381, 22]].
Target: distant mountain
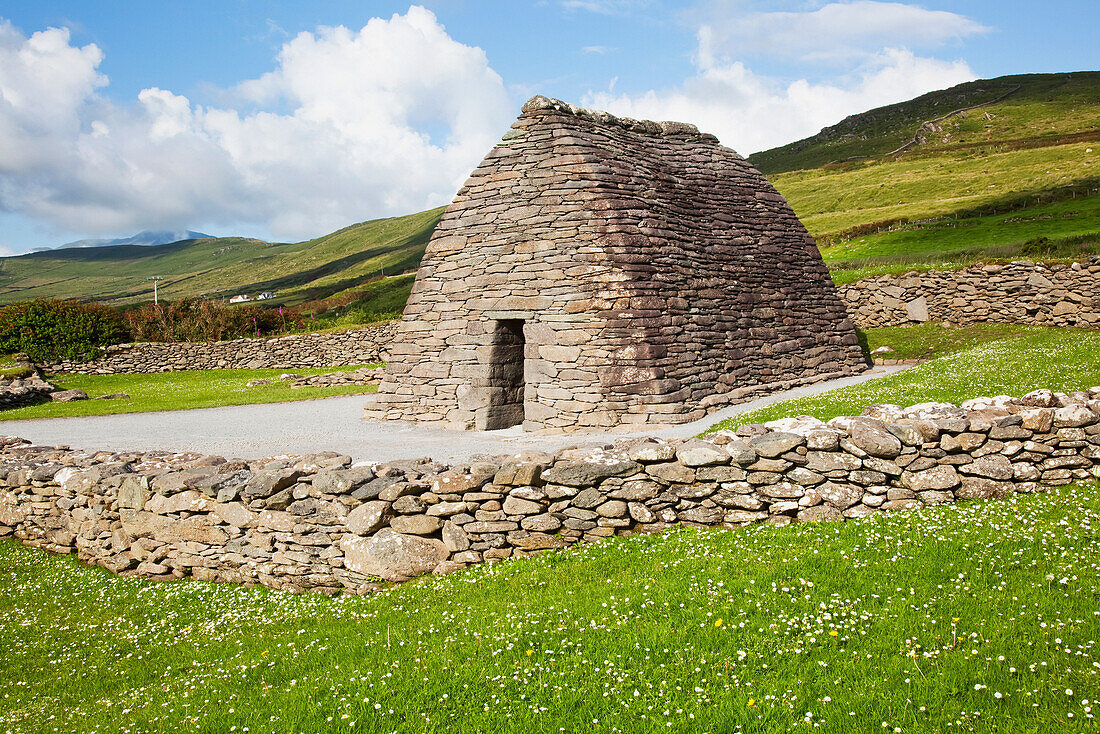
[[143, 238]]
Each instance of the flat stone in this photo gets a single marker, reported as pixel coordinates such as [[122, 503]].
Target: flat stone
[[446, 509], [416, 524], [703, 515], [651, 450], [392, 556], [267, 482], [187, 501], [938, 478], [235, 514], [339, 481], [697, 452], [535, 541], [826, 461], [994, 466], [518, 506], [68, 396], [874, 439], [841, 496], [981, 488], [776, 443], [641, 513], [740, 452], [612, 508], [540, 523], [1074, 416], [586, 474], [672, 472]]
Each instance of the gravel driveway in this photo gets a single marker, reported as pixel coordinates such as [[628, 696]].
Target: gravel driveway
[[334, 424]]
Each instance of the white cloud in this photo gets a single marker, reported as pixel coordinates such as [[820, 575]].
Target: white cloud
[[598, 50], [604, 7], [836, 31], [385, 120], [749, 111]]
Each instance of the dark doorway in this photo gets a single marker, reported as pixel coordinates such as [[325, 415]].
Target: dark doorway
[[506, 376]]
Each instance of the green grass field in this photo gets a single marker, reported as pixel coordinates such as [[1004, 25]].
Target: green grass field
[[983, 360], [976, 617], [181, 390]]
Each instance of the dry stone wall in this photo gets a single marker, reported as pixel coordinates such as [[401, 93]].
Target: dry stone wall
[[597, 271], [1044, 294], [364, 345], [319, 523]]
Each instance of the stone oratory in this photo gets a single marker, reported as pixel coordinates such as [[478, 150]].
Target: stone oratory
[[603, 272]]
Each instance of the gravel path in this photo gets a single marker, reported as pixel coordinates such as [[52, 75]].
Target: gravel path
[[334, 424]]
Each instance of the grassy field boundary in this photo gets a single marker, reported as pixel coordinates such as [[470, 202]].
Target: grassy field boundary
[[182, 390]]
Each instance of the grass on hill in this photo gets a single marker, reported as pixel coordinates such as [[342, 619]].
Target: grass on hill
[[1039, 109], [975, 617], [1071, 227], [983, 185], [833, 200], [180, 391], [225, 266], [983, 360]]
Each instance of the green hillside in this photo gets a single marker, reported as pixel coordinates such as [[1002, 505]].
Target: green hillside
[[223, 266], [1025, 110], [1016, 178]]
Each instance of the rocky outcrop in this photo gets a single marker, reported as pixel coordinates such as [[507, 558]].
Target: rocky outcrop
[[22, 391], [364, 345], [318, 522], [1044, 294]]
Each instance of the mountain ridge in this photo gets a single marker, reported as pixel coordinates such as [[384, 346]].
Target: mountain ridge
[[144, 238]]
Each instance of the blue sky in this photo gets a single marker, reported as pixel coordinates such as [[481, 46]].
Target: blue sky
[[287, 120]]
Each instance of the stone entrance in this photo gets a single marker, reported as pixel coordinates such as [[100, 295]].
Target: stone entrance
[[505, 376]]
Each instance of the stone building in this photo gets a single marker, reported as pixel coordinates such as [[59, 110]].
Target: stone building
[[606, 272]]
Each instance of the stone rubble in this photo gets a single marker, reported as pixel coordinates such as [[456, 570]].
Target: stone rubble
[[22, 391], [317, 522]]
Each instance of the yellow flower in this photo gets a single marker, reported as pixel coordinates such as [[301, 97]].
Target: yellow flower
[[833, 633], [752, 702], [954, 620], [718, 623], [530, 653]]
